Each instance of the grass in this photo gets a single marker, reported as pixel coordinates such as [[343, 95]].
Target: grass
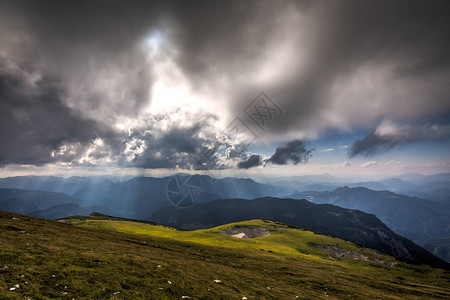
[[283, 239], [114, 259]]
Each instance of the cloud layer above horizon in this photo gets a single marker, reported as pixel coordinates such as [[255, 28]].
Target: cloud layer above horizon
[[155, 84]]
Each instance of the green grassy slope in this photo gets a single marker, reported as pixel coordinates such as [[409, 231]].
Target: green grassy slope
[[283, 239], [112, 259]]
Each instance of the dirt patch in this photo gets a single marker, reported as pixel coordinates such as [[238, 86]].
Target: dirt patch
[[337, 252], [246, 232]]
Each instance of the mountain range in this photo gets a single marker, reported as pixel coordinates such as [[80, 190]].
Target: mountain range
[[424, 221]]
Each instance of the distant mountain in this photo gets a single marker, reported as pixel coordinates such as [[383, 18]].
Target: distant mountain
[[412, 177], [425, 188], [351, 225], [70, 209], [373, 185], [422, 186], [398, 185], [418, 178], [297, 185], [27, 201], [68, 186], [141, 196], [412, 217], [415, 185], [319, 178], [137, 197]]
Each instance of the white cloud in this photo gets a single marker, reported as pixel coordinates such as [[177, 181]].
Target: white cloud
[[134, 147], [346, 164], [369, 164]]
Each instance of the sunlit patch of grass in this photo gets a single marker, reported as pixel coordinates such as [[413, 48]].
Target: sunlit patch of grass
[[283, 239]]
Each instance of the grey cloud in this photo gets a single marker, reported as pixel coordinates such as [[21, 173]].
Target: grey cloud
[[390, 135], [387, 45], [37, 128], [92, 47], [214, 39], [176, 147], [196, 146], [34, 122], [293, 152], [92, 50], [253, 161]]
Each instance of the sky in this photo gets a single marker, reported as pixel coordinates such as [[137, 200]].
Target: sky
[[224, 87]]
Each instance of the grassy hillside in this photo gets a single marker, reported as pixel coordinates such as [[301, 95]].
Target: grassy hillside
[[283, 239], [118, 259]]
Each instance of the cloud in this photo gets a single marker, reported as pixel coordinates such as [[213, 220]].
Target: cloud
[[352, 60], [292, 152], [253, 161], [162, 141], [36, 127], [173, 145], [369, 164], [346, 164], [92, 69], [329, 64], [389, 135]]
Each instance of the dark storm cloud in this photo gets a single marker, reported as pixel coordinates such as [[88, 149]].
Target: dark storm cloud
[[226, 36], [34, 122], [95, 46], [351, 58], [389, 136], [372, 144], [293, 152], [350, 64], [253, 161], [92, 47], [407, 36]]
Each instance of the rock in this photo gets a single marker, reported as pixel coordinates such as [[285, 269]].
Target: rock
[[246, 232]]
